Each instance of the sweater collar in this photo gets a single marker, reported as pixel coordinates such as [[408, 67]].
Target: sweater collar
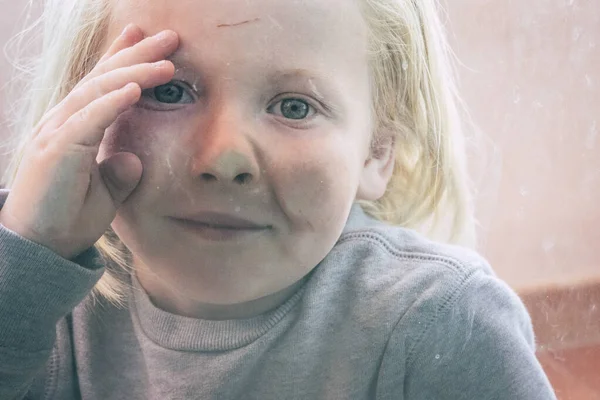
[[190, 334]]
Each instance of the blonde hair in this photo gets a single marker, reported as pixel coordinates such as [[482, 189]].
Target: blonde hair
[[414, 102]]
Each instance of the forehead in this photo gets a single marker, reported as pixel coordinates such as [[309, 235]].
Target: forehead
[[284, 30]]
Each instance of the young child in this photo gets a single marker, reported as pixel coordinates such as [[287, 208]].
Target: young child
[[214, 200]]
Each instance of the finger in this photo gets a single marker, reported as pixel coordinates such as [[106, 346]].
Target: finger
[[150, 49], [87, 126], [121, 173], [105, 196], [145, 75], [131, 35]]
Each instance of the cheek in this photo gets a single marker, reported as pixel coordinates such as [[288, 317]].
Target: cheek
[[148, 135], [128, 134], [152, 142], [319, 188]]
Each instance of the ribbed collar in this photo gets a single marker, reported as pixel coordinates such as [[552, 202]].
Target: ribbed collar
[[189, 334]]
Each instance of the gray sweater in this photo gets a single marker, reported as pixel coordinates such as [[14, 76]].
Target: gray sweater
[[387, 315]]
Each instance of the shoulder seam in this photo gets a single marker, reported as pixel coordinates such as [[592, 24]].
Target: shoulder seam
[[402, 254]]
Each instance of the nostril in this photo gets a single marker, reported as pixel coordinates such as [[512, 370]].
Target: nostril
[[209, 177], [243, 178]]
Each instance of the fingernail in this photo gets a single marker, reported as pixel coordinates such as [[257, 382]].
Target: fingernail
[[127, 29], [159, 64], [164, 37]]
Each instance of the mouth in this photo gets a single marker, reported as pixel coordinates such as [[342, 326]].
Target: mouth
[[219, 227]]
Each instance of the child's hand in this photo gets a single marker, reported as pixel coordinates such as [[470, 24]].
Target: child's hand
[[62, 198]]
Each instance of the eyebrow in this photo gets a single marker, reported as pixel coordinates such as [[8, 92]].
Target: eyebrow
[[280, 77]]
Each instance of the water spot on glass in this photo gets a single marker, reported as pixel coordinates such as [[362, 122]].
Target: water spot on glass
[[548, 245], [590, 140], [437, 356], [576, 33], [524, 191], [275, 23], [516, 95], [520, 212]]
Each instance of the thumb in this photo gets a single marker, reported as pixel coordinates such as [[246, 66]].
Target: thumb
[[121, 174]]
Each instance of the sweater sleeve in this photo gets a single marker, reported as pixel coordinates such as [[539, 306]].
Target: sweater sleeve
[[478, 344], [37, 289]]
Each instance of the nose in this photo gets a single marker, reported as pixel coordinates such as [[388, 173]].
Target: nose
[[223, 150]]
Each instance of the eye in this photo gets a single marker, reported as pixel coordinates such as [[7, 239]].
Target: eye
[[173, 92], [293, 108], [168, 93]]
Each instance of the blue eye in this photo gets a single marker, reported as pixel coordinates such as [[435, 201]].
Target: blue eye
[[293, 108], [170, 93]]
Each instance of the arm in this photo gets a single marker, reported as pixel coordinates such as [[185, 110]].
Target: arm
[[37, 289], [478, 344]]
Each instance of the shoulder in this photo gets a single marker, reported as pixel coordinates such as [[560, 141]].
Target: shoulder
[[453, 325], [422, 288], [406, 271]]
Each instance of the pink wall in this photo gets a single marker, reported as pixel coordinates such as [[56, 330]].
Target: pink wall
[[531, 77]]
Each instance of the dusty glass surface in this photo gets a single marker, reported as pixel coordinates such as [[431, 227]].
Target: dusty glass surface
[[530, 76]]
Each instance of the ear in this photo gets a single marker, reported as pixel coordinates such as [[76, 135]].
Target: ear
[[377, 170]]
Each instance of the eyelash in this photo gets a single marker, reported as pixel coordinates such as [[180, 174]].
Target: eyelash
[[149, 94]]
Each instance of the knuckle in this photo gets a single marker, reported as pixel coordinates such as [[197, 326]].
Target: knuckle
[[96, 87], [100, 68], [75, 96], [42, 143], [83, 115], [45, 149]]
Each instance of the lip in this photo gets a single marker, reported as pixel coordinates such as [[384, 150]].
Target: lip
[[220, 220], [219, 227]]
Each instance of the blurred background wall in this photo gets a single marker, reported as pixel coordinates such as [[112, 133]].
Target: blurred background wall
[[530, 75]]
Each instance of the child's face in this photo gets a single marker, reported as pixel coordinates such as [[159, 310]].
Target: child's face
[[273, 127]]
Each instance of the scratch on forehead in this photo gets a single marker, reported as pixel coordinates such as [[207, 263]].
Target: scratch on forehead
[[238, 23]]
